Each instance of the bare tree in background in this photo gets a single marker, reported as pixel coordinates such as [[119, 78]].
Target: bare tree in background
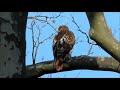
[[13, 46]]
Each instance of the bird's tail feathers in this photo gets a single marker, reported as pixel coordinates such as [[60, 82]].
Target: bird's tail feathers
[[58, 64]]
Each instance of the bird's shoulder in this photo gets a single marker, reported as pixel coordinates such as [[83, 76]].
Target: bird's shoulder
[[64, 33]]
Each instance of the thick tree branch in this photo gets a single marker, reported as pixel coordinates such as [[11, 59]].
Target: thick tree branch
[[102, 35], [80, 62]]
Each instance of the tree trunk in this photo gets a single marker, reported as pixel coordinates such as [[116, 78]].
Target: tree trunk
[[12, 43]]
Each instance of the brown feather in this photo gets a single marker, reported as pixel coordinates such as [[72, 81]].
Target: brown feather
[[63, 43], [58, 65]]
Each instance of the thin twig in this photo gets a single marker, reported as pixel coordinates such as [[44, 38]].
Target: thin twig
[[77, 75], [33, 41], [42, 21], [46, 19], [46, 39], [37, 43], [89, 51], [81, 31], [76, 41], [47, 16]]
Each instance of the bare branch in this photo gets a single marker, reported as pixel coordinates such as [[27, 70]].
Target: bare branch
[[37, 46], [89, 51], [33, 41], [51, 26], [46, 19], [80, 62], [46, 39], [57, 15], [31, 17], [42, 21], [81, 31], [77, 75], [76, 41], [35, 18], [37, 43]]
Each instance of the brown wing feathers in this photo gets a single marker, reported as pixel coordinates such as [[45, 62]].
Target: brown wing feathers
[[62, 44]]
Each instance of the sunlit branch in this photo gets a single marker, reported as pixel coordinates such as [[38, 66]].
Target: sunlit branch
[[80, 62]]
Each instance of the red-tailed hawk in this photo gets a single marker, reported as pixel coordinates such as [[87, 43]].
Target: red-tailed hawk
[[63, 43]]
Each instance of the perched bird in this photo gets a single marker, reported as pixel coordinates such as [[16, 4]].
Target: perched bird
[[63, 43]]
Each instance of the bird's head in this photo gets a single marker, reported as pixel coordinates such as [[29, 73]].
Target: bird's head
[[63, 28]]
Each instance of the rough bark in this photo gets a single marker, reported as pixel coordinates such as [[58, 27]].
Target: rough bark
[[102, 35], [80, 62], [12, 43]]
